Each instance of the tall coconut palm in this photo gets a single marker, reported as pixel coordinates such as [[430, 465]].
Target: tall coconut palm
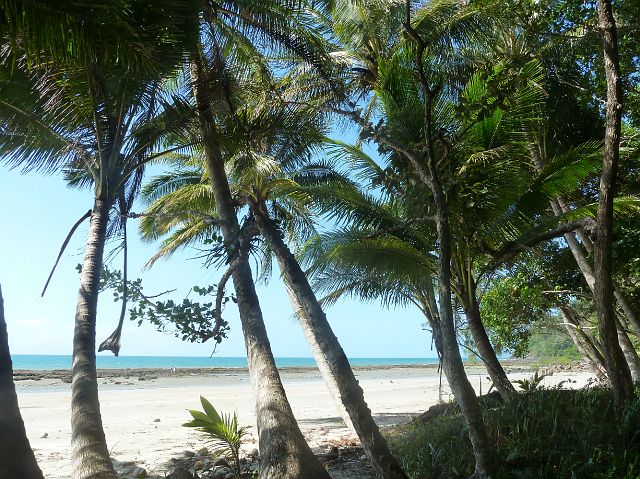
[[99, 118], [18, 459], [214, 71], [385, 250], [401, 69], [285, 452], [264, 171]]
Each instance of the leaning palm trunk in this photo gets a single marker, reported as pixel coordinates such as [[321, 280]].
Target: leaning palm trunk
[[584, 344], [283, 449], [579, 252], [630, 354], [329, 355], [559, 206], [452, 362], [481, 339], [89, 452], [17, 458], [451, 359]]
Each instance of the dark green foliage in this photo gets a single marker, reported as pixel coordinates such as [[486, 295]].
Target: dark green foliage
[[549, 343], [550, 433], [509, 308], [189, 320], [519, 306]]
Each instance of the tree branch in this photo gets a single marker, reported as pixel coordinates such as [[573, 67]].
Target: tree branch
[[513, 248], [207, 218]]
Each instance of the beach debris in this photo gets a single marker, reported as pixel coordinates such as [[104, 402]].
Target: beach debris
[[179, 473], [221, 461], [139, 473], [222, 472], [45, 435], [203, 451], [156, 419]]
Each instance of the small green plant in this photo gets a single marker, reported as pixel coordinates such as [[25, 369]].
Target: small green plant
[[224, 430], [531, 384]]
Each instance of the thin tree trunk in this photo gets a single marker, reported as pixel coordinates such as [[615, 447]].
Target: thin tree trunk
[[283, 449], [622, 300], [627, 310], [485, 349], [628, 350], [579, 250], [89, 453], [321, 360], [329, 354], [452, 361], [584, 345], [16, 456], [617, 367]]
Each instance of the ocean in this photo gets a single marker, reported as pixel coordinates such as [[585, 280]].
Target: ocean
[[47, 362]]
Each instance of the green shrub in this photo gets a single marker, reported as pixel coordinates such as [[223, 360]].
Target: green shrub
[[539, 434]]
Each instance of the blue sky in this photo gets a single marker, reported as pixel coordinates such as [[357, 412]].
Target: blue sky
[[36, 216]]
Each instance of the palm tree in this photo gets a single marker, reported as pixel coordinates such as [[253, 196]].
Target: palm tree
[[400, 67], [99, 118], [565, 66], [18, 458], [385, 250], [283, 448], [264, 168]]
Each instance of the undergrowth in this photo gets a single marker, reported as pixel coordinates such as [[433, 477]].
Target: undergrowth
[[540, 434]]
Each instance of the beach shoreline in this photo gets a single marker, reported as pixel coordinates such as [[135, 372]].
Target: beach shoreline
[[38, 374], [143, 417]]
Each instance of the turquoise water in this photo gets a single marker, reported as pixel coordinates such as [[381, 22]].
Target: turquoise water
[[42, 362]]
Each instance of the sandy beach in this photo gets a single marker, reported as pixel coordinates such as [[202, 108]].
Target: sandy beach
[[142, 417]]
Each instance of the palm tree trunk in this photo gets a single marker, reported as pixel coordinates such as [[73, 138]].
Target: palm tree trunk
[[429, 308], [17, 456], [579, 254], [583, 344], [579, 250], [321, 360], [452, 361], [628, 350], [487, 353], [283, 450], [89, 453], [621, 299], [617, 367], [329, 355]]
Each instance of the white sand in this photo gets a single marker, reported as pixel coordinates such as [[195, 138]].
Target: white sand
[[130, 410]]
